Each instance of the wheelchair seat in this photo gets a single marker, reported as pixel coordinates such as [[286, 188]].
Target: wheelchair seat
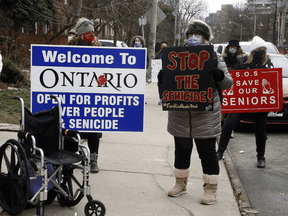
[[61, 157]]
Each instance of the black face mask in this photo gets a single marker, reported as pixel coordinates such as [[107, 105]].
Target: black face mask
[[259, 55]]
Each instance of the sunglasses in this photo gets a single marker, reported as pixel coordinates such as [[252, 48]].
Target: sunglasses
[[86, 23]]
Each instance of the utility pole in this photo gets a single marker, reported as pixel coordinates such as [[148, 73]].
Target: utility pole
[[176, 21], [152, 36], [282, 34]]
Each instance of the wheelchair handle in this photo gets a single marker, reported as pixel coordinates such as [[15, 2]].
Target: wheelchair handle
[[16, 98], [71, 133], [24, 135], [53, 97]]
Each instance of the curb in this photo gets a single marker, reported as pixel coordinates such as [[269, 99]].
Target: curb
[[9, 127], [240, 194]]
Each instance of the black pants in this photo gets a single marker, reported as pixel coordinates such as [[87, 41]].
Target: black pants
[[207, 153], [93, 140], [259, 124]]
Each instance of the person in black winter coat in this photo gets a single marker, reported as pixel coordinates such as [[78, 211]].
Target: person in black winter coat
[[159, 56], [233, 53], [257, 59], [84, 36]]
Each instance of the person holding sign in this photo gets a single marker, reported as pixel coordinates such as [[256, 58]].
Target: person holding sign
[[233, 53], [202, 126], [84, 36], [159, 56], [257, 59]]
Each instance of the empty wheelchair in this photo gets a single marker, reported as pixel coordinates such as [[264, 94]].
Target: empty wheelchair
[[41, 165]]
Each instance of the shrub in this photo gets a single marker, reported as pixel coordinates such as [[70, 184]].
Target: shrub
[[11, 73]]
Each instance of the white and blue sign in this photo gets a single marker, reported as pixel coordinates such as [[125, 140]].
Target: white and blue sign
[[101, 88]]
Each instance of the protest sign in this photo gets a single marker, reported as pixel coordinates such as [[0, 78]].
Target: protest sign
[[187, 81], [101, 88], [254, 90], [156, 66]]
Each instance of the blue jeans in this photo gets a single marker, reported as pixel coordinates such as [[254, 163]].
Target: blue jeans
[[259, 124]]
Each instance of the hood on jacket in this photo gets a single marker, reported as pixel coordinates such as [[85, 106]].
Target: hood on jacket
[[240, 53], [199, 27], [141, 39]]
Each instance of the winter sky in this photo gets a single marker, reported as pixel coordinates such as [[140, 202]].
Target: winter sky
[[214, 5]]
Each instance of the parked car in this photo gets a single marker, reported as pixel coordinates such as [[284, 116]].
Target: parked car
[[279, 61], [111, 42]]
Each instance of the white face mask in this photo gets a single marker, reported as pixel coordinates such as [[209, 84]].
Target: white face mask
[[195, 40], [137, 44], [232, 50], [69, 38]]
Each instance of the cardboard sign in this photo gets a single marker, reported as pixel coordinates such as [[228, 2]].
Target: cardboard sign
[[101, 88], [156, 66], [187, 81], [254, 90]]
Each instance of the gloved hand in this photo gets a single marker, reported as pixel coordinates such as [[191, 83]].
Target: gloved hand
[[218, 75]]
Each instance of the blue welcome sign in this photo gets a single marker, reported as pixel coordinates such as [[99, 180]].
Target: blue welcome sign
[[101, 88]]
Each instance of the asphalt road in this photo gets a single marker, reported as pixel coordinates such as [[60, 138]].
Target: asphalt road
[[266, 189]]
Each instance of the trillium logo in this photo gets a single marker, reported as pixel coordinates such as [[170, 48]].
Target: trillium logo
[[101, 80]]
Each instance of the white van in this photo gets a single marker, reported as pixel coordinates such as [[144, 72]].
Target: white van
[[111, 42]]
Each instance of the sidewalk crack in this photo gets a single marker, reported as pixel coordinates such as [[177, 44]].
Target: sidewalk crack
[[188, 210]]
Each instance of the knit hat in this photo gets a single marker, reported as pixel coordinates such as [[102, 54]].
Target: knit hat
[[233, 43], [83, 26], [199, 27], [256, 43]]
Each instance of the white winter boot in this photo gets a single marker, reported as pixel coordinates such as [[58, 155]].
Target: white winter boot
[[179, 188], [210, 189]]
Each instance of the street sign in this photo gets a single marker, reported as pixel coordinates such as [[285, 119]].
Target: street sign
[[160, 15]]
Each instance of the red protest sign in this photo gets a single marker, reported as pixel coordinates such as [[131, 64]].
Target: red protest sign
[[254, 90]]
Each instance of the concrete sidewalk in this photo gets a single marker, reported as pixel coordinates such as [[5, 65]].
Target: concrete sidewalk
[[136, 172]]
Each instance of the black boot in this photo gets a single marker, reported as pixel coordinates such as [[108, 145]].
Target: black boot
[[219, 155], [261, 163], [93, 163], [260, 149]]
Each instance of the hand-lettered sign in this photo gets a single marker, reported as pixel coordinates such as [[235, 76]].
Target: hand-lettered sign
[[187, 79], [254, 90]]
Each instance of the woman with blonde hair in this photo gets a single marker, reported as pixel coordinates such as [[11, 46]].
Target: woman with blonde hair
[[258, 58]]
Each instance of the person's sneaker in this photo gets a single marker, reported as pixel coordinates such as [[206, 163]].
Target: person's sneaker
[[219, 155], [261, 163]]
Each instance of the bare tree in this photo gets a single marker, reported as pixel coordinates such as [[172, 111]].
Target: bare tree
[[192, 9]]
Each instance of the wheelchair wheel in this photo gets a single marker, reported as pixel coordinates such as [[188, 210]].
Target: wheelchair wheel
[[94, 207], [69, 184], [14, 177]]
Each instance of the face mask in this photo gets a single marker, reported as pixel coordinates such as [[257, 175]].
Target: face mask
[[137, 44], [259, 55], [195, 40], [232, 50], [89, 38], [69, 38]]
